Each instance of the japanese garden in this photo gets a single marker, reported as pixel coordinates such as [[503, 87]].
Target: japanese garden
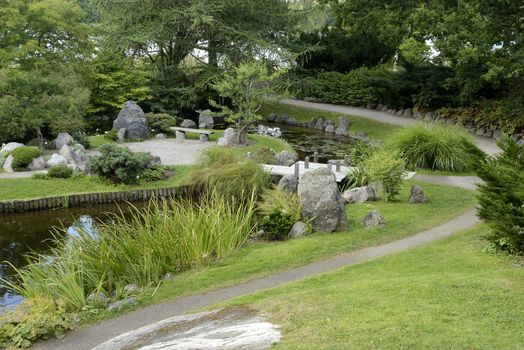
[[288, 174]]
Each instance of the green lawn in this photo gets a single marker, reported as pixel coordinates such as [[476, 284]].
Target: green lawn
[[375, 130], [260, 259], [32, 188], [447, 295]]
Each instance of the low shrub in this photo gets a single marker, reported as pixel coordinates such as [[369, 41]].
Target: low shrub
[[501, 197], [82, 139], [60, 171], [359, 152], [160, 122], [39, 176], [35, 318], [436, 146], [276, 200], [119, 164], [264, 155], [24, 155], [277, 225], [217, 156], [111, 135], [155, 173], [387, 168], [357, 177], [141, 247]]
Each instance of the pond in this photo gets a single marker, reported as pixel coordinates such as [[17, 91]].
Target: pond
[[22, 233]]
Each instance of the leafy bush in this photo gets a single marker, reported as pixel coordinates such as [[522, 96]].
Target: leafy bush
[[111, 135], [167, 236], [357, 177], [120, 164], [501, 197], [436, 146], [359, 152], [387, 168], [276, 200], [277, 225], [60, 171], [82, 139], [24, 155], [35, 318], [155, 173], [160, 122]]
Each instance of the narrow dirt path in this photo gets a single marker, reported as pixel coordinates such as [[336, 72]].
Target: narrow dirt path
[[87, 338], [488, 145]]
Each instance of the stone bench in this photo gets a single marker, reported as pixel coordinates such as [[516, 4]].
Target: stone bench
[[181, 133]]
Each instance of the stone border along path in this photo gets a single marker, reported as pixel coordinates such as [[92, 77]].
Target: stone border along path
[[88, 337], [488, 145]]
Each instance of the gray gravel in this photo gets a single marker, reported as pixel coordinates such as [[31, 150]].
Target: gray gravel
[[172, 151]]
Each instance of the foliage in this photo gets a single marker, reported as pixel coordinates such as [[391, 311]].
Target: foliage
[[264, 155], [232, 180], [160, 122], [501, 197], [39, 317], [357, 177], [111, 135], [24, 155], [360, 151], [277, 225], [217, 156], [387, 168], [436, 146], [60, 171], [167, 236], [154, 173], [276, 200], [120, 164], [32, 100], [247, 87], [82, 139]]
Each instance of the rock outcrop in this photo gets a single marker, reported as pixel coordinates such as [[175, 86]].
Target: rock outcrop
[[132, 118]]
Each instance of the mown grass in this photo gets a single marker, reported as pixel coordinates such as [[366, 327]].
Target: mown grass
[[260, 259], [374, 129], [448, 295], [25, 188]]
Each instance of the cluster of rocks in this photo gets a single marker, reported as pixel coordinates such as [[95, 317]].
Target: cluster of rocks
[[430, 116], [101, 300], [69, 153], [328, 126], [268, 131], [205, 121]]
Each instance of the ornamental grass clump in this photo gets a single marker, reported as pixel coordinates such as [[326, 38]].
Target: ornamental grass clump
[[437, 146], [138, 248]]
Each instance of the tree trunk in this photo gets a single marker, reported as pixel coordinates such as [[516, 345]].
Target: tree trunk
[[40, 138], [242, 135]]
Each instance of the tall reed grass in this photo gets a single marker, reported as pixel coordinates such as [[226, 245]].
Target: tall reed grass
[[167, 236]]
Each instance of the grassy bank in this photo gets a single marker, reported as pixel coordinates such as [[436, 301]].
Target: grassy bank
[[448, 295], [374, 129], [260, 259], [27, 188]]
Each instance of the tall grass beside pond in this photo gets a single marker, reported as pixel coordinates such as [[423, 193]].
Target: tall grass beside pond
[[167, 236]]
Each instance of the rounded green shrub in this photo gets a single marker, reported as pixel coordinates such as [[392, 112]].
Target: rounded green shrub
[[82, 139], [436, 146], [24, 155], [60, 171], [119, 164], [277, 225], [160, 122]]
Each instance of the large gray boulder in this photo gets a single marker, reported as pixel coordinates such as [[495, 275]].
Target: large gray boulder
[[133, 119], [8, 164], [321, 201], [188, 123], [417, 195], [330, 128], [319, 124], [229, 138], [205, 119], [343, 125], [37, 164], [10, 146], [286, 158], [68, 153], [63, 139]]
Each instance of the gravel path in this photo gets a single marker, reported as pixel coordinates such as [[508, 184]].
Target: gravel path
[[467, 182], [88, 337], [20, 174], [172, 151], [488, 145]]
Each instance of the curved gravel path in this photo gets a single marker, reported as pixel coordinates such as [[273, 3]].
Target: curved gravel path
[[171, 151], [488, 145]]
